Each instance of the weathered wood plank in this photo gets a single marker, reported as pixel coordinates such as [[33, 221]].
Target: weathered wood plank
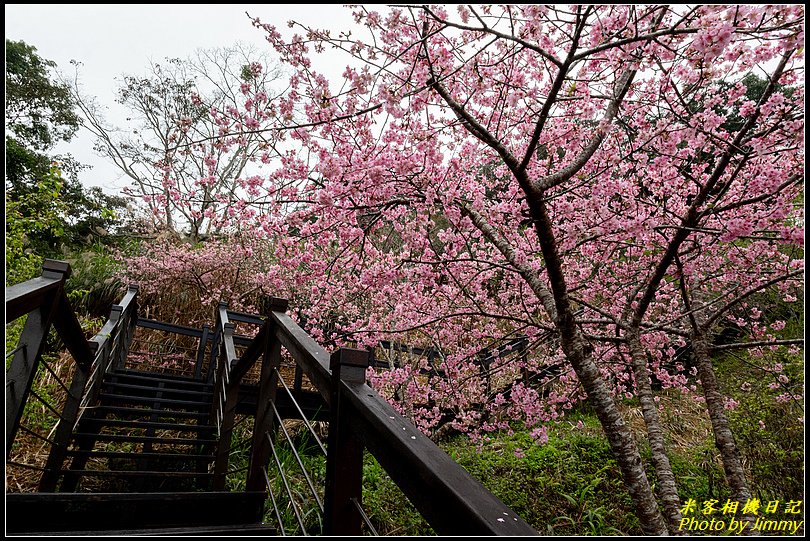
[[306, 351], [25, 297], [71, 333], [156, 325], [452, 501], [62, 512], [264, 530], [249, 356]]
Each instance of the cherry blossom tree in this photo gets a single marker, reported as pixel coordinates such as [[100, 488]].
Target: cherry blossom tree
[[598, 179], [171, 151]]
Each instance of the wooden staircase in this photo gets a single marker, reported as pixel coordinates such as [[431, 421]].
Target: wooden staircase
[[140, 463], [149, 432], [119, 451]]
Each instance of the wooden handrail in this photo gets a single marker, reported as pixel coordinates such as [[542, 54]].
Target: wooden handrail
[[451, 500], [128, 303], [27, 296], [310, 356], [226, 393]]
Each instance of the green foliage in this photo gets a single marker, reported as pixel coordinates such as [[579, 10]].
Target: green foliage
[[39, 112], [569, 486], [768, 389], [36, 216], [387, 507], [698, 472], [768, 431], [24, 166], [94, 284], [754, 89]]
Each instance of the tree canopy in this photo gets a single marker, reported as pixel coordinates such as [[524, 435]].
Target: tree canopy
[[612, 183], [48, 207], [39, 111]]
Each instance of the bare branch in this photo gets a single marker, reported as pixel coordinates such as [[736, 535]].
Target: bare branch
[[760, 343]]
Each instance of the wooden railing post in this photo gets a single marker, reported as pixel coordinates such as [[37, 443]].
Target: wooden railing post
[[268, 385], [23, 366], [215, 346], [131, 319], [344, 460], [227, 401], [116, 316], [206, 330], [264, 420]]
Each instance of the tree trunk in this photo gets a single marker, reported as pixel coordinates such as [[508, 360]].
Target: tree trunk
[[617, 431], [667, 488], [579, 353], [723, 438]]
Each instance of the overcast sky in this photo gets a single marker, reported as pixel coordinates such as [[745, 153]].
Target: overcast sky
[[110, 40]]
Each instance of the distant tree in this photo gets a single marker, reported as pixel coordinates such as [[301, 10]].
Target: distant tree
[[40, 112], [170, 144], [38, 214]]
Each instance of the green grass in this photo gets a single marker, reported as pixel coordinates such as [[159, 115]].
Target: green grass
[[568, 486]]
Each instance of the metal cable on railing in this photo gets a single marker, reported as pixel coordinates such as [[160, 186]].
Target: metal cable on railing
[[57, 378], [21, 347], [38, 436], [273, 502], [301, 413], [47, 404], [220, 389], [297, 458], [287, 472], [26, 466], [286, 484], [363, 514], [237, 470]]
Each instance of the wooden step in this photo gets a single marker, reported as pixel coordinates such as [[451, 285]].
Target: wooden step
[[139, 456], [170, 378], [266, 530], [154, 475], [143, 439], [148, 412], [157, 475], [110, 386], [64, 512], [150, 400], [121, 423]]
